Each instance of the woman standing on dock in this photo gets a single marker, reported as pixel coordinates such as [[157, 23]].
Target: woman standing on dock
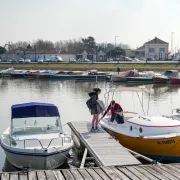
[[94, 109]]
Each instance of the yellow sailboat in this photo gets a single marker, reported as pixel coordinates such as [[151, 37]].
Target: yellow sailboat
[[157, 137]]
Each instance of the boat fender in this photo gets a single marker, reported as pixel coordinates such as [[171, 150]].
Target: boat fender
[[76, 142]]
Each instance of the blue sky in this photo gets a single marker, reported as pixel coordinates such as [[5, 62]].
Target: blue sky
[[134, 21]]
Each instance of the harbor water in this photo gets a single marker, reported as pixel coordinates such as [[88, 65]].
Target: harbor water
[[71, 96]]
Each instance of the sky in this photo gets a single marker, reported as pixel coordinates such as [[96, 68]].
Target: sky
[[133, 21]]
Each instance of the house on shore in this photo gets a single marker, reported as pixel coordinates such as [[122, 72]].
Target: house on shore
[[34, 54]]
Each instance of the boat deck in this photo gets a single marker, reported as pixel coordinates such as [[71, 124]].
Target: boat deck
[[105, 150], [141, 172]]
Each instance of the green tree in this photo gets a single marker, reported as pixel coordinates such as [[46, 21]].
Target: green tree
[[2, 50], [89, 43]]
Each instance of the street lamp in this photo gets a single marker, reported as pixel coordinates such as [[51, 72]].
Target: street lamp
[[115, 40]]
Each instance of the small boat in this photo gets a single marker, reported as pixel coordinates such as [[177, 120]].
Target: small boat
[[174, 80], [46, 74], [144, 77], [95, 72], [7, 72], [91, 77], [122, 77], [18, 73], [160, 79], [35, 138], [152, 136], [171, 73]]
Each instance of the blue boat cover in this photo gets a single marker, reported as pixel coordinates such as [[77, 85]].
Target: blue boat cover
[[34, 109]]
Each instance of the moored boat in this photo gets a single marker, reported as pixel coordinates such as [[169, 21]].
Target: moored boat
[[160, 79], [144, 77], [122, 77], [174, 80], [155, 137], [35, 138], [18, 73], [7, 72]]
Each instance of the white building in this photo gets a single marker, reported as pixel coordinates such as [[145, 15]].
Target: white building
[[34, 55], [155, 48]]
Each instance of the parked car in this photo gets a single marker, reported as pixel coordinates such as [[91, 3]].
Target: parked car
[[136, 59], [14, 60], [58, 59], [40, 61], [72, 60], [47, 60], [150, 59], [27, 61], [86, 60], [21, 60]]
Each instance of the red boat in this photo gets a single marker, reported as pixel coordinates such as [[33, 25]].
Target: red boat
[[160, 79], [174, 80]]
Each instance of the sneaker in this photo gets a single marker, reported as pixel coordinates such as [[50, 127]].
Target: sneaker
[[92, 129], [97, 129]]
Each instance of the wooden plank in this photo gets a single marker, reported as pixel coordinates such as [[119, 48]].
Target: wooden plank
[[76, 174], [111, 173], [120, 174], [13, 176], [58, 175], [93, 174], [32, 175], [128, 173], [84, 158], [155, 173], [67, 174], [146, 173], [137, 173], [50, 175], [164, 173], [85, 174], [170, 171], [41, 175], [23, 176], [101, 173], [5, 176], [172, 168]]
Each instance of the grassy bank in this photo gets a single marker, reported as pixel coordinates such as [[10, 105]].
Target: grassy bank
[[100, 67]]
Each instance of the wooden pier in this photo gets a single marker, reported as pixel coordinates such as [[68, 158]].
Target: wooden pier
[[105, 150], [139, 172]]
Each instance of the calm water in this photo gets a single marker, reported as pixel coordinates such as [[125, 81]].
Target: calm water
[[70, 97]]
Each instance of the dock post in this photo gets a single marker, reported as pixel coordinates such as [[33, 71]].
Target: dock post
[[84, 158]]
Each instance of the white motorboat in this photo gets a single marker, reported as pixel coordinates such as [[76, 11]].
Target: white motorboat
[[35, 138], [7, 72]]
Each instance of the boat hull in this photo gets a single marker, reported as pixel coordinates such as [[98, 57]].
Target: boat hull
[[34, 161], [118, 79], [62, 77], [160, 149], [139, 80], [174, 81], [159, 80]]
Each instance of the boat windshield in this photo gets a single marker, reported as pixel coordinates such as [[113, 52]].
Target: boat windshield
[[36, 125]]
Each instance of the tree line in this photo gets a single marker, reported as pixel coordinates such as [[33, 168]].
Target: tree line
[[73, 45]]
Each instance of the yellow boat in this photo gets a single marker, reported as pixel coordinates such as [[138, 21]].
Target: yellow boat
[[157, 137]]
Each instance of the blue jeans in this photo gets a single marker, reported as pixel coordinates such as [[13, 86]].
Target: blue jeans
[[119, 119]]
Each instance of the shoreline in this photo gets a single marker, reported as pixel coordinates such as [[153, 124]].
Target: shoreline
[[99, 67]]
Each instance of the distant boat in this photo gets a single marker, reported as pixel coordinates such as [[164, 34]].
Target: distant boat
[[144, 77], [122, 77], [18, 73], [174, 80], [164, 78], [7, 72]]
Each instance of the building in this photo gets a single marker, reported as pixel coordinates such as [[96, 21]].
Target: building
[[34, 55], [155, 48]]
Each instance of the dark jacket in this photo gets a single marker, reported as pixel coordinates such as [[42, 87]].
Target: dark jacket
[[94, 97]]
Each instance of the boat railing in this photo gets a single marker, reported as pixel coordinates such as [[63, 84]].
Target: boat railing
[[43, 147]]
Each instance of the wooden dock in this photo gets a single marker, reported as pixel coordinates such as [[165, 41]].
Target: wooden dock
[[139, 172], [105, 150]]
